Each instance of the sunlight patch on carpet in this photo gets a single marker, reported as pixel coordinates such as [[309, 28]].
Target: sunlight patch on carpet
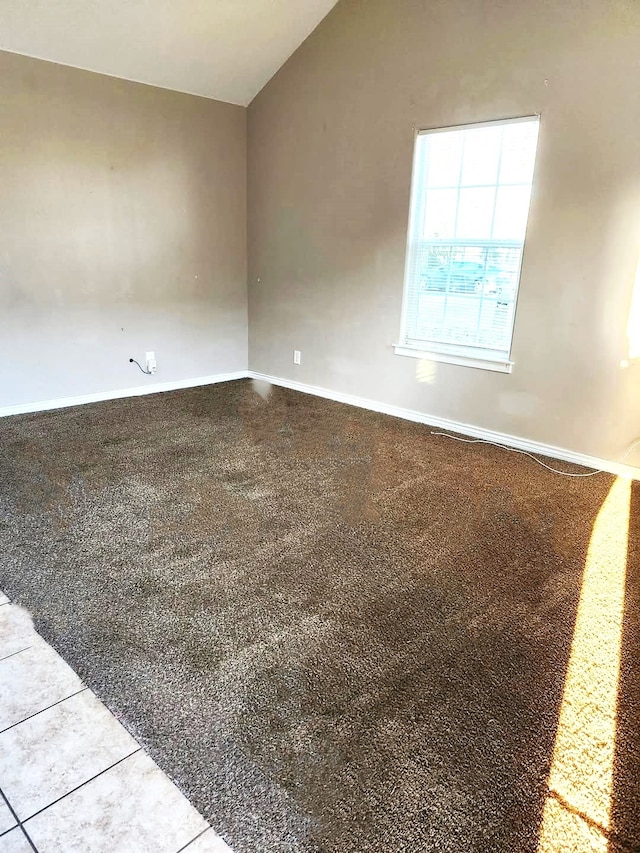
[[576, 815]]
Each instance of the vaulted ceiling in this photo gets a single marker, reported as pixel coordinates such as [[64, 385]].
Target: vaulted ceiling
[[222, 49]]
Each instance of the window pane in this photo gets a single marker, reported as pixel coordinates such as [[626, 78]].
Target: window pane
[[444, 153], [464, 320], [475, 213], [518, 152], [465, 295], [470, 200], [512, 210], [440, 214], [481, 156]]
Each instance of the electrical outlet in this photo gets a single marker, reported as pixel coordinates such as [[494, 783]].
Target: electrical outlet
[[296, 356], [150, 359]]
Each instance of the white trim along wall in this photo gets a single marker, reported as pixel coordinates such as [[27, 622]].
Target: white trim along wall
[[99, 396], [500, 438]]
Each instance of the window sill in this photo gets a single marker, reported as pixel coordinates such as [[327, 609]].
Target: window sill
[[451, 358]]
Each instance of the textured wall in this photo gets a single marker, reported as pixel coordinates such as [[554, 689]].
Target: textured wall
[[122, 229], [330, 147]]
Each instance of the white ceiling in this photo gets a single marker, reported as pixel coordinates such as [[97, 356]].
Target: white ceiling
[[222, 49]]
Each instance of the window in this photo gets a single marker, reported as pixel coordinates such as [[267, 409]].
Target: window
[[469, 206]]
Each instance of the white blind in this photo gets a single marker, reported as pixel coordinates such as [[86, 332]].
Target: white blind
[[469, 206]]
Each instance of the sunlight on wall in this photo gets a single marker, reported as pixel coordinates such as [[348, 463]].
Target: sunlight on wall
[[633, 325], [426, 371], [577, 811]]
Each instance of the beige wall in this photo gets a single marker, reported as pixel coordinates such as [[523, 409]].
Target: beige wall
[[330, 147], [122, 229]]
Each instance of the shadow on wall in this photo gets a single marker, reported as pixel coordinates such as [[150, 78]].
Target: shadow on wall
[[625, 405], [633, 324], [614, 360]]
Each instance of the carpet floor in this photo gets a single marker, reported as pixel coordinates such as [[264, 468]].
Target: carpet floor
[[335, 631]]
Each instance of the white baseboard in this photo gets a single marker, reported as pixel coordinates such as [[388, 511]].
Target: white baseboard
[[500, 438], [504, 439], [99, 396]]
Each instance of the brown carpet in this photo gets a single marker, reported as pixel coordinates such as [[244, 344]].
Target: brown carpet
[[335, 631]]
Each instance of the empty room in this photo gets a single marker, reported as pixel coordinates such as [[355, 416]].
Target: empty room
[[319, 426]]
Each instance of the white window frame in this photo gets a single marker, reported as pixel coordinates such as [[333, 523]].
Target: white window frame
[[460, 354]]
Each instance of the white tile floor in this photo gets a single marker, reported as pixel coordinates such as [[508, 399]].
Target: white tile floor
[[72, 779]]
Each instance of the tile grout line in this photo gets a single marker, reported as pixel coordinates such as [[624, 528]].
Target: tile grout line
[[199, 835], [82, 784], [18, 822], [2, 794], [42, 710], [6, 657], [28, 837], [10, 807]]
